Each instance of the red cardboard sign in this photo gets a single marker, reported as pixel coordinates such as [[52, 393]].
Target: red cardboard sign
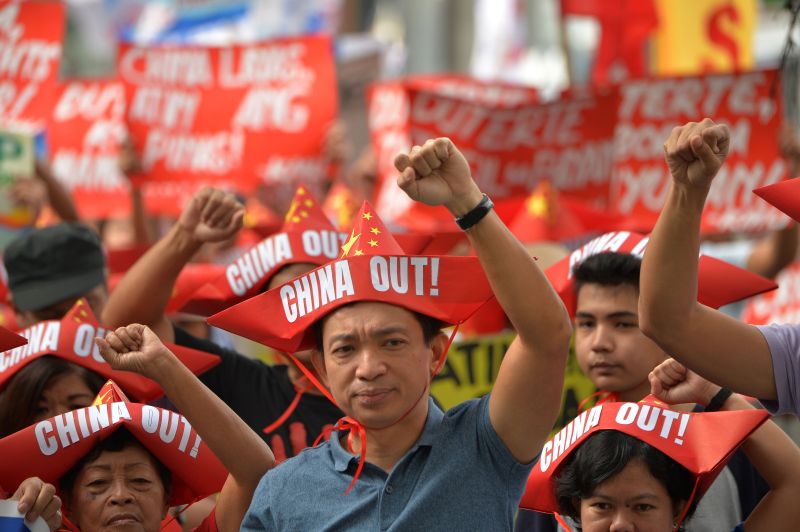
[[86, 130], [250, 114], [648, 111], [510, 140], [30, 51]]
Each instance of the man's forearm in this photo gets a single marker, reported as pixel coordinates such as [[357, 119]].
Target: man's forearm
[[144, 291], [520, 286], [668, 291]]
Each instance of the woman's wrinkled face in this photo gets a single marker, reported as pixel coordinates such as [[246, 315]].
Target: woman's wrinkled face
[[120, 491], [631, 500]]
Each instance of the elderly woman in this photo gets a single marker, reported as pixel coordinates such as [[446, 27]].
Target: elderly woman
[[120, 463]]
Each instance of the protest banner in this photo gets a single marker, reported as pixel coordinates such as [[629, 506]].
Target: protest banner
[[650, 108], [511, 141], [86, 131], [31, 34], [250, 114]]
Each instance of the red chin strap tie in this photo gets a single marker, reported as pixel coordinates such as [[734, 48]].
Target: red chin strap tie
[[602, 397], [302, 386], [353, 425]]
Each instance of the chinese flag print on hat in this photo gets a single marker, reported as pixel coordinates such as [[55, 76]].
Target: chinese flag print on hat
[[719, 283], [72, 339], [372, 267], [50, 448], [307, 236], [701, 442]]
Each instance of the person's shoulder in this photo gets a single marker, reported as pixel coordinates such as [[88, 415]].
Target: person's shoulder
[[311, 459], [465, 412]]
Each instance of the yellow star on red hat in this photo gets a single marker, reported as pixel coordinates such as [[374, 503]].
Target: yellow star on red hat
[[304, 213], [381, 240], [109, 393], [349, 244]]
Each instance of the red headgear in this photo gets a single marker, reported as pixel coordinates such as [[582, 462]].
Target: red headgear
[[50, 448], [783, 195], [700, 442], [719, 283], [72, 339], [373, 267]]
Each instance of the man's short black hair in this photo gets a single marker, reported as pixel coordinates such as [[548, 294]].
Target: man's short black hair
[[604, 455], [431, 328], [608, 269]]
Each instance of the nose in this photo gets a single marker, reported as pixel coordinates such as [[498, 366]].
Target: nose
[[370, 365], [621, 522], [602, 339], [120, 494]]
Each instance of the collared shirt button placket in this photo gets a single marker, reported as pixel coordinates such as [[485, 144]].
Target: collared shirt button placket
[[389, 489]]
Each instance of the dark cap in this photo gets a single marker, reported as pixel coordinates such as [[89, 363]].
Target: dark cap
[[53, 264]]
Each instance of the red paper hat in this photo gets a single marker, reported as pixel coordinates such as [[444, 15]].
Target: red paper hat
[[373, 267], [784, 195], [306, 237], [10, 340], [72, 339], [719, 283], [701, 442], [50, 448], [192, 277]]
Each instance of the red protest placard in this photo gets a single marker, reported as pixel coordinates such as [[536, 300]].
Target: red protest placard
[[249, 114], [30, 51], [648, 111], [511, 140], [86, 130]]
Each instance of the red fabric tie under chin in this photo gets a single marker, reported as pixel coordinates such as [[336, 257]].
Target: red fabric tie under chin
[[602, 397], [351, 424], [302, 386]]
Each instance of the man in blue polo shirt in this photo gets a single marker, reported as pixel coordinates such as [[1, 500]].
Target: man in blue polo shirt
[[375, 316]]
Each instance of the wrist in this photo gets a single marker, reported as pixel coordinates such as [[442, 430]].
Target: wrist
[[183, 240], [464, 203], [720, 398], [709, 393], [163, 366]]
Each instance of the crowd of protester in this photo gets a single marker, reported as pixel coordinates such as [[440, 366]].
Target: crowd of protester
[[343, 431]]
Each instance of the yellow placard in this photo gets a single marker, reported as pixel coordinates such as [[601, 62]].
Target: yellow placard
[[704, 36], [471, 370]]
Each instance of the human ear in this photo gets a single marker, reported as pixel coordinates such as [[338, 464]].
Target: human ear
[[438, 348]]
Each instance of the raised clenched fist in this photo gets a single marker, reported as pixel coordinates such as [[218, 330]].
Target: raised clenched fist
[[436, 173], [695, 152]]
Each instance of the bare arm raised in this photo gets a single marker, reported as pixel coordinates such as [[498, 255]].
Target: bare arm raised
[[772, 453], [718, 347], [136, 348], [211, 216], [527, 393]]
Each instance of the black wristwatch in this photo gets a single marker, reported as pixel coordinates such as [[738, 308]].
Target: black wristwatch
[[718, 400], [476, 214]]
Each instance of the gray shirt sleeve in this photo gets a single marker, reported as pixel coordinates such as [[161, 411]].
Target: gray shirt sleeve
[[784, 347]]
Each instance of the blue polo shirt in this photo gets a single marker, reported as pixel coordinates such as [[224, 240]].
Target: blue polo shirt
[[457, 476]]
